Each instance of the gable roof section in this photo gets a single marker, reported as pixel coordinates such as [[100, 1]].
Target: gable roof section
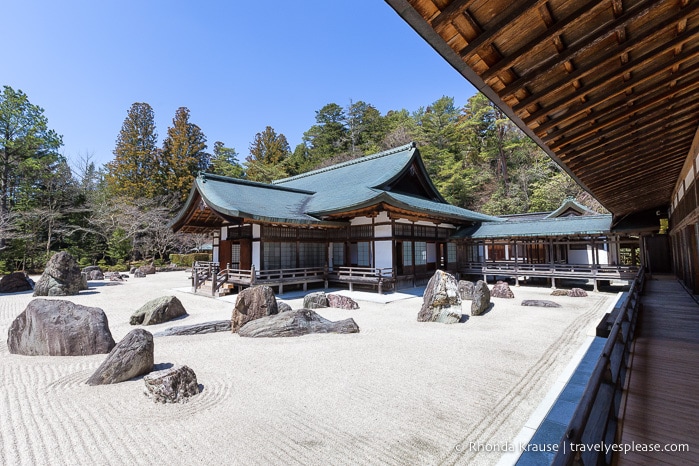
[[571, 207], [368, 181], [561, 226]]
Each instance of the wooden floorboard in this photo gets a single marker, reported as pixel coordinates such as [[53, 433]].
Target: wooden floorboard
[[662, 398]]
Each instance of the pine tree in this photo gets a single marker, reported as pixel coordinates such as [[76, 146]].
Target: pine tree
[[224, 161], [269, 152], [183, 156], [136, 169]]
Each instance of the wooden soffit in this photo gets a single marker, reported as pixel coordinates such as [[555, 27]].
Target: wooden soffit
[[608, 88]]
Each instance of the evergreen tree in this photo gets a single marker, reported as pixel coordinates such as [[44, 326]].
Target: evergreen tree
[[328, 137], [269, 152], [27, 146], [183, 155], [225, 161], [136, 168]]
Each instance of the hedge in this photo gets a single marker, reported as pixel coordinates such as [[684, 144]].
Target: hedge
[[186, 260]]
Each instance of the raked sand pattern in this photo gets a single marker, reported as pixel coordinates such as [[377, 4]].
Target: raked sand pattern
[[399, 392]]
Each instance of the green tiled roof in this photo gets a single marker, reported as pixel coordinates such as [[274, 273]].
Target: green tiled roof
[[560, 226], [306, 198], [258, 201], [359, 182]]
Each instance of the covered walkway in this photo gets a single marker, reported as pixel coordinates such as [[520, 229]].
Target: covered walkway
[[662, 401]]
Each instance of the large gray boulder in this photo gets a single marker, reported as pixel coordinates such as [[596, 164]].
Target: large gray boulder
[[61, 277], [16, 282], [158, 310], [174, 385], [481, 298], [466, 289], [342, 302], [53, 327], [253, 303], [131, 357], [294, 324], [502, 290], [441, 301], [315, 300]]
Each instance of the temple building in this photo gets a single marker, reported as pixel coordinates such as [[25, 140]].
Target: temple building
[[380, 221]]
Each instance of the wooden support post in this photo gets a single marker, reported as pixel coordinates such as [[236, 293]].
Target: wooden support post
[[350, 286], [595, 285], [281, 288], [305, 286], [553, 282]]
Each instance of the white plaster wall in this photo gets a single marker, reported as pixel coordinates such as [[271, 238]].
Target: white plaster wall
[[224, 233], [581, 256], [382, 217], [422, 222], [215, 254], [382, 231], [256, 253], [256, 231], [384, 254], [360, 221], [404, 221]]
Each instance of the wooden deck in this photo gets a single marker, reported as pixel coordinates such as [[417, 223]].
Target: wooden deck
[[662, 401]]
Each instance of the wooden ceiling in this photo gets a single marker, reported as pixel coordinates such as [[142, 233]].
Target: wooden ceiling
[[608, 88]]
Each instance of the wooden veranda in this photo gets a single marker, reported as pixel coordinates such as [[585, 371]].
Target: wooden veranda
[[662, 402]]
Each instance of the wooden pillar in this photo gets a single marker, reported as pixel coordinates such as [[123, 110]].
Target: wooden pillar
[[516, 263], [552, 264]]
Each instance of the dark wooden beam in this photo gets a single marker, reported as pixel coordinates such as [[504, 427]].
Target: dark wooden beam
[[605, 81], [599, 34], [558, 28], [449, 13], [492, 30], [612, 54], [582, 107]]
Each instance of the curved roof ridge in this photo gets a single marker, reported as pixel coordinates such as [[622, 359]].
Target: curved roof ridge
[[227, 179], [358, 160]]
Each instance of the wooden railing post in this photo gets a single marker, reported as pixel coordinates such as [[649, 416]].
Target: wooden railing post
[[252, 275]]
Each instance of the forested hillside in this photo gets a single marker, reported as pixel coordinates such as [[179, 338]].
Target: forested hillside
[[119, 212]]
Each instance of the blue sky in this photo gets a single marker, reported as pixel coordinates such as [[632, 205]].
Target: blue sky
[[238, 66]]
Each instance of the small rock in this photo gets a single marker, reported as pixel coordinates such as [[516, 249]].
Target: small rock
[[131, 357], [559, 292], [342, 302], [174, 385], [158, 310], [253, 303], [481, 298], [283, 307], [139, 274], [147, 269], [466, 289], [315, 300], [94, 272], [539, 303], [115, 277], [577, 293], [501, 290]]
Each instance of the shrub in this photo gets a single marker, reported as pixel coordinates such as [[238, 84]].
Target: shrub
[[186, 260]]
